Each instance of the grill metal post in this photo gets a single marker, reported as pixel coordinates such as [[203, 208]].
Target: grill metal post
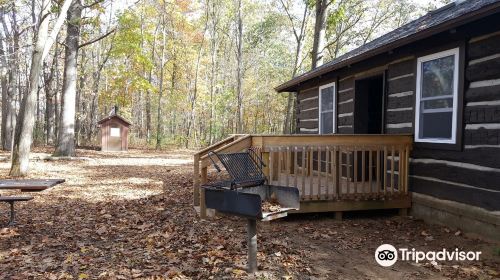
[[12, 214], [252, 245], [244, 193]]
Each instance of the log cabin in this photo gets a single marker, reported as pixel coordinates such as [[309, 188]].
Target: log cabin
[[410, 120]]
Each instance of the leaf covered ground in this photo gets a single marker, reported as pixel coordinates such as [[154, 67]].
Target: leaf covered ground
[[130, 216]]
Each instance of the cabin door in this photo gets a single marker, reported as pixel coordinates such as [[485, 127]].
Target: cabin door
[[368, 105], [368, 117]]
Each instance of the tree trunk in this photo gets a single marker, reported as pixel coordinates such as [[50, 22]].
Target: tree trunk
[[4, 80], [319, 33], [9, 123], [172, 91], [50, 99], [288, 126], [66, 139], [239, 79], [49, 117], [160, 91], [148, 92], [96, 78], [23, 135], [192, 97], [194, 94], [56, 99], [79, 103], [11, 92], [4, 83], [38, 121], [148, 115]]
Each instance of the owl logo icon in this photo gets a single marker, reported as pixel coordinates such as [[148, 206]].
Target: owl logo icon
[[386, 255]]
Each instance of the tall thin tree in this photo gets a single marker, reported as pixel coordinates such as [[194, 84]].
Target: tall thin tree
[[239, 67], [23, 136], [66, 138], [319, 33]]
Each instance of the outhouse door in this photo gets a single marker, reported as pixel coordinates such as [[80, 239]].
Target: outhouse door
[[115, 139]]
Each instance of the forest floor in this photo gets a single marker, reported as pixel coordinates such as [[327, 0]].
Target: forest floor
[[130, 215]]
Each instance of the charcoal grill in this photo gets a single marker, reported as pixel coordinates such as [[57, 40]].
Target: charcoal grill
[[245, 192]]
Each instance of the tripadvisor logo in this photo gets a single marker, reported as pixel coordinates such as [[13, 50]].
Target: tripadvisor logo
[[387, 255]]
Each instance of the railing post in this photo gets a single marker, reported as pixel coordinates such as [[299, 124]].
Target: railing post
[[295, 167], [311, 172], [203, 207], [196, 180], [303, 173], [337, 171], [407, 168], [265, 159], [287, 166]]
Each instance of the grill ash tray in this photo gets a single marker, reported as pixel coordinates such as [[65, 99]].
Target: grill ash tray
[[264, 202]]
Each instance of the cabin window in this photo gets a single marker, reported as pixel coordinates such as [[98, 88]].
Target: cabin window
[[115, 132], [327, 109], [436, 98]]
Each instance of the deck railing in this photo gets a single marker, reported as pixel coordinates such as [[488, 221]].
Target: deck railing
[[323, 167]]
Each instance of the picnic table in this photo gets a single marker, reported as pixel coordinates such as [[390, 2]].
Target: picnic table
[[24, 185], [29, 185]]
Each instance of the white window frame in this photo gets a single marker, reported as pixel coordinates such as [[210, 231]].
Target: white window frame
[[456, 72], [334, 110]]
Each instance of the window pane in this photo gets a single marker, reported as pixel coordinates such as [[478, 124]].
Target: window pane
[[326, 123], [437, 76], [327, 99], [436, 125], [115, 132], [438, 103]]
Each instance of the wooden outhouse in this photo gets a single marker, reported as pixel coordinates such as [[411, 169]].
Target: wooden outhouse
[[114, 133]]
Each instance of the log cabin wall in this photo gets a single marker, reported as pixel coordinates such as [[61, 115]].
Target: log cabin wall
[[308, 106], [345, 105], [307, 111], [400, 96], [470, 174]]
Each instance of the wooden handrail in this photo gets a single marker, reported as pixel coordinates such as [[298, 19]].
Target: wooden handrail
[[216, 145], [235, 146], [337, 139]]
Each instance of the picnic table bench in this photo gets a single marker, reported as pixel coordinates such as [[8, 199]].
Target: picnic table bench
[[25, 185]]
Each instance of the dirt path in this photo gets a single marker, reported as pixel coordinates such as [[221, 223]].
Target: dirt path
[[130, 215]]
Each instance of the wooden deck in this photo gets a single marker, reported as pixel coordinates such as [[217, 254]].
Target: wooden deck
[[331, 172]]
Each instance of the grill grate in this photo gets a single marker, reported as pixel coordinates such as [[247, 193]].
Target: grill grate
[[245, 168]]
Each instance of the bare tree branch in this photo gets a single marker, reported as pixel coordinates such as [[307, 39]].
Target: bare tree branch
[[97, 39], [56, 28], [93, 4]]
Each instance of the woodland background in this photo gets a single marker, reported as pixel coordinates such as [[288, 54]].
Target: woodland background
[[185, 73]]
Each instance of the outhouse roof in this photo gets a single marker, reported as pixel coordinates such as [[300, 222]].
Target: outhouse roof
[[114, 116]]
